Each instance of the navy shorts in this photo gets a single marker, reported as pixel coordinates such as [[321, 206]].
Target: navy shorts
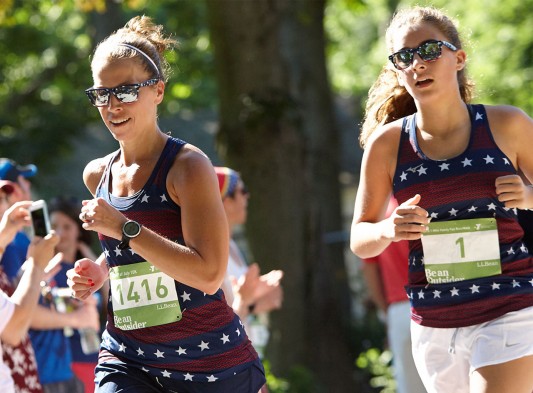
[[119, 377]]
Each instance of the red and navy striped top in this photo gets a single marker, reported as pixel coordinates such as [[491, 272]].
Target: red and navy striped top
[[459, 188], [209, 342]]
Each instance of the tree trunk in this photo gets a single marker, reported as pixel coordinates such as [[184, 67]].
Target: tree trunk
[[277, 128]]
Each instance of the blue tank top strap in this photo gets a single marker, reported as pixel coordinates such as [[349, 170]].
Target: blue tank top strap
[[168, 155]]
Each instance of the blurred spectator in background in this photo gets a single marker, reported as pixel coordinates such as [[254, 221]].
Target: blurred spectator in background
[[15, 253], [251, 294], [18, 368], [75, 243]]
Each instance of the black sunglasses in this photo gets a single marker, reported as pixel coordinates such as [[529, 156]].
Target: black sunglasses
[[428, 51], [125, 94]]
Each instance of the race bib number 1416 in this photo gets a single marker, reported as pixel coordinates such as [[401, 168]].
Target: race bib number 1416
[[142, 296]]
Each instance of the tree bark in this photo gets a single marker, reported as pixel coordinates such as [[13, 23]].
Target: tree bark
[[277, 128]]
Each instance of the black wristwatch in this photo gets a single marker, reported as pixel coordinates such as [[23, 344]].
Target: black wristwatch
[[130, 230]]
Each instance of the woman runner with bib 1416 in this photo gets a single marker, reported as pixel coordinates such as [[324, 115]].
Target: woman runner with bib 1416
[[164, 236], [455, 169]]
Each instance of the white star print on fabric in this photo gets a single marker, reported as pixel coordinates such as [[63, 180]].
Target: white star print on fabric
[[495, 286], [181, 351], [159, 354], [140, 352], [523, 248], [122, 348], [238, 332], [421, 294], [403, 176], [436, 294], [453, 212], [489, 159], [166, 374], [145, 198], [204, 345], [422, 171], [506, 161], [510, 251], [444, 166], [188, 377], [531, 282], [211, 378], [164, 198], [466, 162], [434, 215], [515, 284], [474, 288], [491, 206], [472, 209], [224, 338], [186, 296], [479, 116], [118, 251], [454, 291], [106, 252]]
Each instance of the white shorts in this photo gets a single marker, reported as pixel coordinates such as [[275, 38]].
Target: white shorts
[[445, 358]]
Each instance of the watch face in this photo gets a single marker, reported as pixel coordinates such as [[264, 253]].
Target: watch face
[[132, 228]]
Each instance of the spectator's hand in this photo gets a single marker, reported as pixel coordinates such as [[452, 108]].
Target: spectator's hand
[[246, 286], [41, 250], [273, 277], [270, 301], [52, 268], [13, 220], [86, 278], [251, 286]]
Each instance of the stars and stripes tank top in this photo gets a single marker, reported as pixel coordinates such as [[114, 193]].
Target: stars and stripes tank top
[[207, 341], [460, 192]]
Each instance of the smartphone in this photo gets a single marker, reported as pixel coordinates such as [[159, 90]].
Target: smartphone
[[39, 218]]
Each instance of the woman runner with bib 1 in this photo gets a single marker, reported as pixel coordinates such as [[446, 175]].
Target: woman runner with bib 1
[[454, 168], [164, 237]]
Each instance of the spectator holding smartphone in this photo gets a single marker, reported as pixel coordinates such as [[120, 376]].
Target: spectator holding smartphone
[[18, 304], [18, 177]]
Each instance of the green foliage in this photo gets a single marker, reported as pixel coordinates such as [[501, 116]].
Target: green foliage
[[302, 380], [44, 72], [378, 365], [355, 45], [500, 48], [192, 85], [275, 385]]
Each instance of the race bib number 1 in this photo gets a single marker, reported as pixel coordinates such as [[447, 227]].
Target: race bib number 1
[[461, 250], [142, 297]]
